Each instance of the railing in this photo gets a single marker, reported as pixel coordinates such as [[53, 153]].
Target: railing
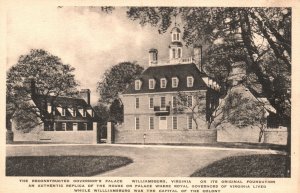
[[162, 111]]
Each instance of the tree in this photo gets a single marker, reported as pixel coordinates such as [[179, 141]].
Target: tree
[[115, 81], [50, 76]]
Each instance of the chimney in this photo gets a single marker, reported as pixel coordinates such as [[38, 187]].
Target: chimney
[[198, 56], [86, 95], [153, 56]]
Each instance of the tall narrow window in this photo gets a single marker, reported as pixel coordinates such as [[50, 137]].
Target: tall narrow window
[[137, 103], [174, 102], [163, 102], [84, 113], [174, 123], [63, 126], [137, 123], [174, 82], [177, 37], [173, 53], [151, 103], [190, 81], [174, 37], [179, 52], [190, 122], [63, 112], [74, 113], [163, 83], [151, 83], [151, 122], [75, 126], [138, 85], [189, 101]]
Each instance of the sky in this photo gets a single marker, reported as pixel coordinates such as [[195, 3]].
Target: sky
[[89, 40]]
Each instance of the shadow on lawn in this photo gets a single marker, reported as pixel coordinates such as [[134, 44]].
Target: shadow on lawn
[[266, 165], [63, 165]]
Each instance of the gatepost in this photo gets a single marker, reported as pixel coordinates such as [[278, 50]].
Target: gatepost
[[109, 132], [95, 130]]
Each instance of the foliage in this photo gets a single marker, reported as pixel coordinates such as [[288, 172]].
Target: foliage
[[116, 111], [117, 79], [103, 112], [51, 76], [259, 36]]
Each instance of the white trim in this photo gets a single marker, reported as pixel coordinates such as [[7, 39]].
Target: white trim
[[150, 102], [137, 87], [166, 123], [63, 112], [161, 85], [151, 80], [150, 122], [173, 123], [75, 128]]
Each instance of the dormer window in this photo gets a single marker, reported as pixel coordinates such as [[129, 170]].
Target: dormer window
[[84, 113], [74, 113], [63, 112], [138, 85], [151, 83], [190, 81], [163, 83], [174, 82]]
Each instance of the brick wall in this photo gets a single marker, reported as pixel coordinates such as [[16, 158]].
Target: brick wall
[[165, 136], [276, 136]]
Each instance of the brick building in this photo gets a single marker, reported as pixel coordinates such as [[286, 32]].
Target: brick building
[[64, 119], [151, 102]]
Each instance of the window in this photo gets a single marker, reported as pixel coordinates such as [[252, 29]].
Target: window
[[137, 103], [84, 113], [174, 101], [174, 82], [189, 101], [151, 122], [163, 102], [174, 37], [190, 81], [174, 123], [177, 36], [75, 126], [63, 126], [179, 52], [138, 85], [151, 103], [190, 122], [151, 83], [84, 126], [63, 112], [74, 113], [137, 123], [163, 83], [54, 126], [173, 53]]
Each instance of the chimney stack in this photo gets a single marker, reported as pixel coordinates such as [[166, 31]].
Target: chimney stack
[[153, 57], [198, 56], [86, 95]]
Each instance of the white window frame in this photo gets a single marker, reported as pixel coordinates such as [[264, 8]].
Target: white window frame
[[188, 126], [173, 122], [137, 103], [84, 113], [135, 123], [161, 82], [74, 112], [150, 123], [179, 56], [187, 81], [74, 127], [64, 126], [187, 101], [175, 80], [137, 84], [150, 102], [54, 126], [151, 80], [161, 102]]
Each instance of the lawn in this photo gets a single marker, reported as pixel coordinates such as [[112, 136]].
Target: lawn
[[62, 165], [246, 166]]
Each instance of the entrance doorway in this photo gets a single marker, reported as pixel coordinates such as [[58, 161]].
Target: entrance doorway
[[162, 122]]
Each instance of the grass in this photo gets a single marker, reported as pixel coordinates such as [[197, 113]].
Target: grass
[[62, 165], [268, 165]]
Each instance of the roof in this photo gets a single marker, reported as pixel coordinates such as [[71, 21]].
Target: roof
[[175, 29], [181, 71], [61, 101]]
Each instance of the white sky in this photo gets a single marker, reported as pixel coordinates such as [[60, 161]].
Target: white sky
[[88, 40]]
